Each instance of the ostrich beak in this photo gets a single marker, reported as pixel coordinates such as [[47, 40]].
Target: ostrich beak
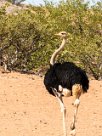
[[57, 34]]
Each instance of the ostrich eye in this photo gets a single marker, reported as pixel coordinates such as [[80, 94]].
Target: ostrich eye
[[63, 33]]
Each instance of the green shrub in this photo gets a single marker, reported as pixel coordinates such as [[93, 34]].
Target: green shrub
[[29, 36]]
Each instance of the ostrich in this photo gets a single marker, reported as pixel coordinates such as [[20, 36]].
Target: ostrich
[[66, 79]]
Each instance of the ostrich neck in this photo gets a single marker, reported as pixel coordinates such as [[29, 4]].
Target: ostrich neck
[[54, 55]]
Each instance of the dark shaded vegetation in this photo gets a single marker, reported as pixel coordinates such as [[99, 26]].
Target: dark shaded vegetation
[[27, 36]]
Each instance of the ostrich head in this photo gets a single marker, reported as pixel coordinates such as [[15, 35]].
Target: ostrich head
[[62, 34]]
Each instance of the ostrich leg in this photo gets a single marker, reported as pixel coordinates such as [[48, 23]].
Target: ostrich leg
[[76, 90], [63, 110], [72, 127]]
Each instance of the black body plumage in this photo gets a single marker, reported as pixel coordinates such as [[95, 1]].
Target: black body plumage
[[66, 74]]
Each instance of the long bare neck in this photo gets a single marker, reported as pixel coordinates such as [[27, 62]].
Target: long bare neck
[[54, 55]]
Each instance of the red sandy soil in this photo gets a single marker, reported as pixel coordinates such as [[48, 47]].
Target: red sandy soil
[[26, 108]]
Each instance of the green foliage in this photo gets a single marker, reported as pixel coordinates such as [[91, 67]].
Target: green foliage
[[29, 35]]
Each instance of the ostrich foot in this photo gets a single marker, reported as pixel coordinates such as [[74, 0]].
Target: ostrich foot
[[73, 132]]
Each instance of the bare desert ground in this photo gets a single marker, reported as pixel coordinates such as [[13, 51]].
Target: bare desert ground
[[26, 109]]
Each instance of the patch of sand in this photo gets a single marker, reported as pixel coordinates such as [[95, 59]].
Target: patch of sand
[[26, 109]]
